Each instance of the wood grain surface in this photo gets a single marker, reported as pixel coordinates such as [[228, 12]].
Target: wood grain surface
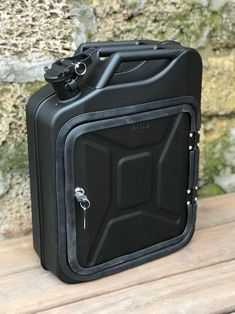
[[199, 278]]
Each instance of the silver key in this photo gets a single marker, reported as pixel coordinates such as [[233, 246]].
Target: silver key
[[83, 202], [84, 216]]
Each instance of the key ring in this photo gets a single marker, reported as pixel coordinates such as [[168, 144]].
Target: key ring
[[80, 68], [86, 201]]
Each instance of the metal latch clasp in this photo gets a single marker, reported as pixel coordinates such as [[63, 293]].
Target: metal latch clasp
[[83, 202]]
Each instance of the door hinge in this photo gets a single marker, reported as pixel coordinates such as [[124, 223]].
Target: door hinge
[[192, 195], [194, 139]]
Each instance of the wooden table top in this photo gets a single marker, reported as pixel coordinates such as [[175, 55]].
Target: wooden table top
[[199, 278]]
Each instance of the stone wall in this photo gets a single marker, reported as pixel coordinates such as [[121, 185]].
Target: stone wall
[[36, 32]]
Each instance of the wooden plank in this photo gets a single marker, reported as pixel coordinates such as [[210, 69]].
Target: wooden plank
[[36, 289], [215, 211], [17, 255], [208, 290]]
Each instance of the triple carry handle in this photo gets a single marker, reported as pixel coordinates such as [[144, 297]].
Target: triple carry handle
[[132, 55], [65, 74]]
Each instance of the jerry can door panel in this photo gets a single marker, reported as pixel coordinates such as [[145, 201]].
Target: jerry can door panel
[[131, 174]]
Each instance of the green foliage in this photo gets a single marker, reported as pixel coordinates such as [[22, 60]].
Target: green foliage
[[214, 19], [13, 158], [34, 86], [214, 158], [4, 89], [210, 189]]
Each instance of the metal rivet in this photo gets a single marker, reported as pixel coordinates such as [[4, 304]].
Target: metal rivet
[[188, 191], [190, 147], [188, 202], [198, 144], [195, 198], [196, 187]]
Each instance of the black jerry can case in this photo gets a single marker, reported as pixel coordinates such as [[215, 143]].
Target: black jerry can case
[[113, 155]]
